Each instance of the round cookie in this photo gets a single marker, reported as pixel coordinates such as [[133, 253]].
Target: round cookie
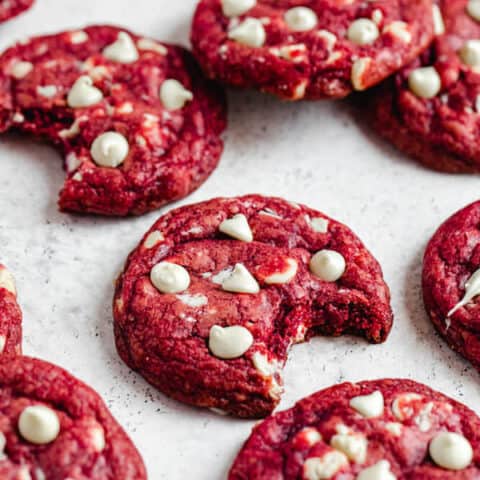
[[430, 110], [377, 430], [451, 282], [12, 8], [312, 49], [54, 427], [10, 315], [137, 123], [215, 294]]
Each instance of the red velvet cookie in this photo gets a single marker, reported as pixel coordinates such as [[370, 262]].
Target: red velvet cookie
[[54, 427], [380, 430], [312, 49], [12, 8], [212, 299], [451, 282], [430, 110], [136, 121], [10, 315]]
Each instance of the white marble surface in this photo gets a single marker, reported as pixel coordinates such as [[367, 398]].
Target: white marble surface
[[312, 153]]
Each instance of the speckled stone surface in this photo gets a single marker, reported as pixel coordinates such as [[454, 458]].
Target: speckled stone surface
[[318, 154]]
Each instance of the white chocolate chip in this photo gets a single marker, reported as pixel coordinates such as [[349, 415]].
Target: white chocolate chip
[[263, 365], [78, 37], [234, 8], [74, 129], [423, 419], [153, 239], [7, 281], [39, 425], [250, 32], [301, 19], [237, 227], [369, 406], [97, 438], [83, 93], [377, 16], [72, 162], [473, 9], [325, 467], [328, 265], [174, 95], [425, 82], [319, 225], [438, 23], [193, 301], [379, 471], [21, 69], [294, 53], [279, 278], [399, 30], [222, 275], [359, 67], [451, 451], [123, 50], [240, 281], [3, 342], [311, 435], [169, 277], [394, 428], [47, 91], [18, 117], [229, 342], [353, 445], [329, 38], [470, 53], [472, 289], [363, 31], [110, 149], [151, 45]]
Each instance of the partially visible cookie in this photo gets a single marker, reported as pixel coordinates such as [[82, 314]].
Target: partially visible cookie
[[54, 427], [430, 110], [312, 49], [451, 281], [10, 315], [137, 123], [212, 299], [378, 430], [12, 8]]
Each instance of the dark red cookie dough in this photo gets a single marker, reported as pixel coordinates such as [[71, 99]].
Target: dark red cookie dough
[[10, 315], [320, 62], [167, 338], [12, 8], [399, 433], [441, 131], [90, 444], [171, 149], [451, 259]]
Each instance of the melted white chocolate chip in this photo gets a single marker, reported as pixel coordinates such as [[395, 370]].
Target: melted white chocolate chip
[[473, 9], [438, 23], [379, 471], [240, 281], [237, 227], [250, 32], [328, 265], [234, 8], [174, 95], [451, 451], [110, 149], [169, 277], [21, 69], [369, 406], [229, 342], [123, 50], [285, 276], [353, 445], [425, 82], [83, 93], [7, 281], [472, 289], [301, 19], [39, 425], [470, 53], [363, 31], [325, 467]]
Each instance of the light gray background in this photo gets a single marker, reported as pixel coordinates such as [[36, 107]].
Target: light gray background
[[315, 153]]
